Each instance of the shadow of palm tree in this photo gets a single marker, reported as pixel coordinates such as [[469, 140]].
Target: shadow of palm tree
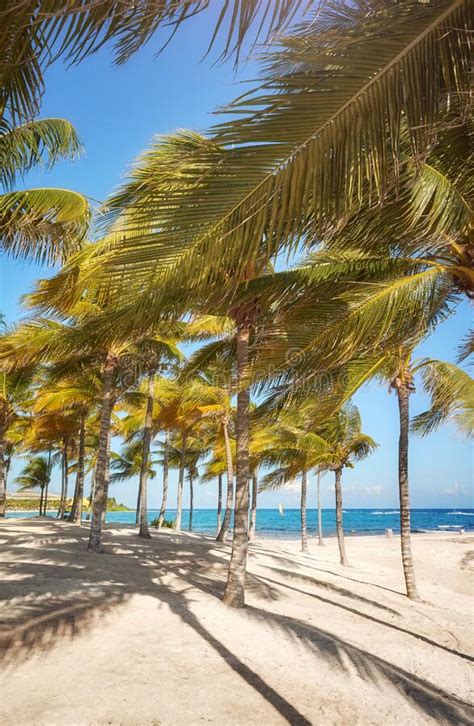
[[86, 588]]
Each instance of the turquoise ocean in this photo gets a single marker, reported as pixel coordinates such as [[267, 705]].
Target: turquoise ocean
[[270, 523]]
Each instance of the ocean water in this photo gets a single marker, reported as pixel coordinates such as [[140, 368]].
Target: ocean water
[[270, 523]]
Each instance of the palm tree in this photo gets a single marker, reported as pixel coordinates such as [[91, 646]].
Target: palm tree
[[452, 396], [70, 390], [346, 444], [39, 35], [36, 473], [14, 391], [295, 190], [46, 225]]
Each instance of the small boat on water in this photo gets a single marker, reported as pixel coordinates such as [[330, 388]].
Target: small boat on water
[[281, 510]]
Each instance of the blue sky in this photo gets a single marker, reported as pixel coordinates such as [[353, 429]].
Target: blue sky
[[116, 111]]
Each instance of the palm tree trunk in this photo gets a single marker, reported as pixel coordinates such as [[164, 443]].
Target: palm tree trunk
[[191, 502], [179, 505], [100, 489], [304, 529], [234, 594], [339, 529], [144, 531], [41, 501], [107, 472], [219, 502], [76, 509], [61, 496], [164, 498], [224, 530], [253, 509], [320, 513], [62, 503], [3, 483], [403, 394], [137, 506]]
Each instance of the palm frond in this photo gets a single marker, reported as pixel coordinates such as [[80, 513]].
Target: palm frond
[[323, 129], [43, 141], [37, 34], [451, 391], [46, 225]]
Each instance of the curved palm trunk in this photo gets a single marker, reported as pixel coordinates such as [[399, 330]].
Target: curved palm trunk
[[3, 477], [164, 498], [144, 531], [320, 513], [224, 530], [100, 488], [76, 509], [403, 394], [191, 502], [179, 505], [219, 502], [234, 594], [62, 503], [253, 509], [304, 529], [339, 528]]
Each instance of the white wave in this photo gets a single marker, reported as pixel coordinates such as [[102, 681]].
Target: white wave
[[464, 514], [397, 511], [449, 526]]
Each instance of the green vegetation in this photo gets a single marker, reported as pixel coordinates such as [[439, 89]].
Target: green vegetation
[[349, 158]]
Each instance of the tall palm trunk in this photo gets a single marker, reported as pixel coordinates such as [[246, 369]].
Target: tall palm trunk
[[339, 528], [403, 393], [304, 529], [320, 513], [137, 506], [253, 509], [219, 502], [64, 486], [224, 530], [144, 531], [179, 504], [45, 503], [191, 502], [100, 488], [41, 501], [76, 509], [164, 498], [235, 588], [3, 483]]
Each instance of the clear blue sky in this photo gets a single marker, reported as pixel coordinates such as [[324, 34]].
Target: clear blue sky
[[116, 111]]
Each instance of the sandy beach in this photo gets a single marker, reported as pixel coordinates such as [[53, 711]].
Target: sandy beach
[[139, 635]]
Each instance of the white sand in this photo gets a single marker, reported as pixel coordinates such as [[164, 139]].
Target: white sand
[[139, 635]]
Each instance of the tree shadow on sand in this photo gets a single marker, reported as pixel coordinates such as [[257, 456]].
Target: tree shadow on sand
[[87, 588]]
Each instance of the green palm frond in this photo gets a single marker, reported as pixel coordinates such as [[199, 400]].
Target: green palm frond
[[320, 133], [37, 34], [466, 348], [451, 391], [43, 141], [36, 473], [46, 225]]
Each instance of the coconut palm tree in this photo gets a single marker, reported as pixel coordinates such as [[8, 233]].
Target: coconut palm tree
[[36, 473], [45, 225], [14, 392], [452, 397], [346, 445], [41, 34], [73, 391], [295, 191]]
